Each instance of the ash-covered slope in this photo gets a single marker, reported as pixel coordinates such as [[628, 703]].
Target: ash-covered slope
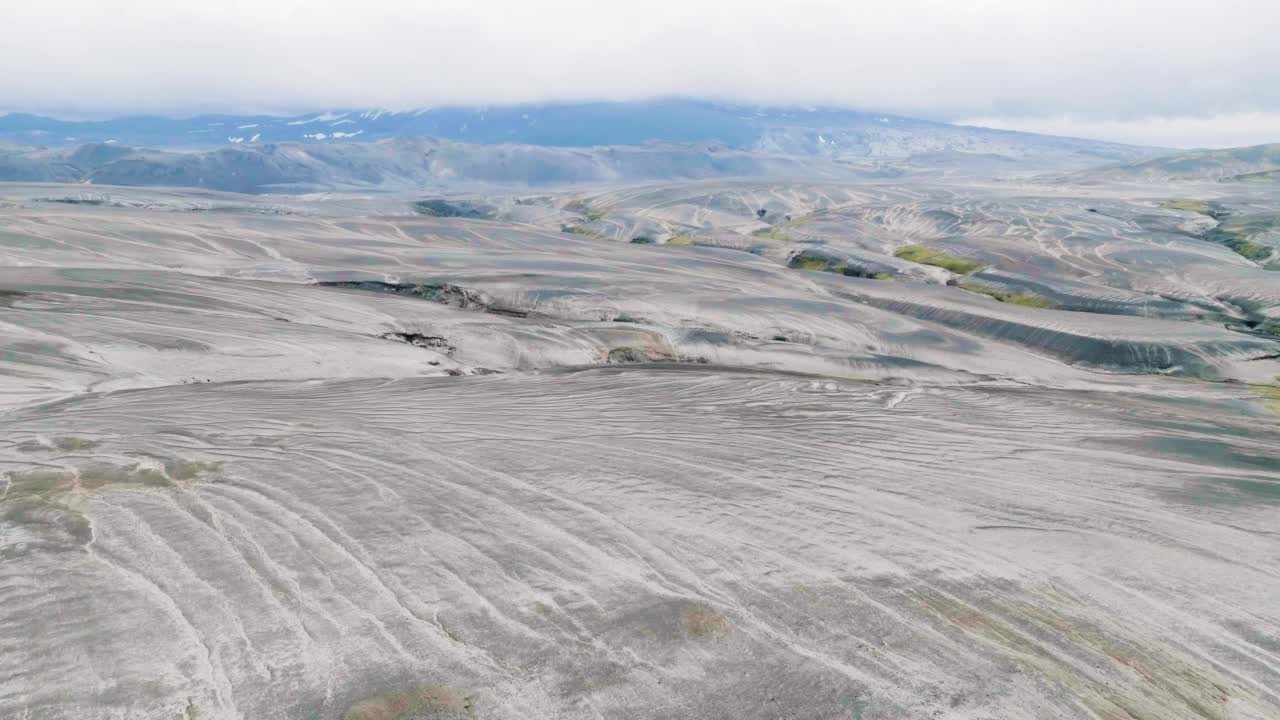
[[1257, 163], [711, 449], [637, 543], [745, 300]]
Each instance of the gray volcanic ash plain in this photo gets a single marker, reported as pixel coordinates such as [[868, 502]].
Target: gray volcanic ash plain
[[854, 447]]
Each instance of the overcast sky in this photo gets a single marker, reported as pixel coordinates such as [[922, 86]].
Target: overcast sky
[[1168, 72]]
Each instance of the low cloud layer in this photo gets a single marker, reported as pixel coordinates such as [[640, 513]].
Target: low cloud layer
[[1188, 73], [1218, 131]]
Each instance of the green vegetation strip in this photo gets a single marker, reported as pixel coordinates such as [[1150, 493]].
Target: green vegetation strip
[[1263, 176], [772, 234], [583, 230], [819, 264], [1204, 207], [1270, 395], [937, 258], [1236, 232], [805, 262]]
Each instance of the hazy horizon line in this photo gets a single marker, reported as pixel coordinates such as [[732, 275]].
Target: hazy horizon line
[[1155, 132]]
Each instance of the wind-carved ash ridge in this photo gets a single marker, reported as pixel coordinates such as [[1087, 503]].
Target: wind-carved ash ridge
[[815, 449]]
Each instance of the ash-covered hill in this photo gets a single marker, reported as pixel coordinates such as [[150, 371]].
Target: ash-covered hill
[[1256, 163]]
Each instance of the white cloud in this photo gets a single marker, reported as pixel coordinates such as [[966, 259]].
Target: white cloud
[[1096, 60], [1215, 131]]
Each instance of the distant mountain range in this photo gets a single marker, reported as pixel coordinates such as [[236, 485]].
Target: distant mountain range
[[405, 164], [526, 145], [794, 131]]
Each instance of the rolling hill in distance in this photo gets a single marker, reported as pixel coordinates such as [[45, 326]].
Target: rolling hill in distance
[[1256, 163]]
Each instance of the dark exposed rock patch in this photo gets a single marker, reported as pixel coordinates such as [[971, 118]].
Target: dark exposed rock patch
[[443, 208], [633, 354], [430, 342], [823, 262], [445, 294], [77, 201], [622, 355]]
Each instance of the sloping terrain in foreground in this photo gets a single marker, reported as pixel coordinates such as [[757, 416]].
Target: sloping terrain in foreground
[[638, 543], [721, 449]]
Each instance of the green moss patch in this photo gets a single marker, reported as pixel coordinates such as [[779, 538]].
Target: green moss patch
[[444, 208], [74, 444], [419, 703], [809, 262], [1025, 299], [52, 485], [1237, 231], [772, 234], [1204, 207], [583, 208], [65, 444], [928, 256], [1270, 395], [51, 504], [584, 231], [633, 354], [816, 263], [1234, 231], [1249, 249], [1264, 176]]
